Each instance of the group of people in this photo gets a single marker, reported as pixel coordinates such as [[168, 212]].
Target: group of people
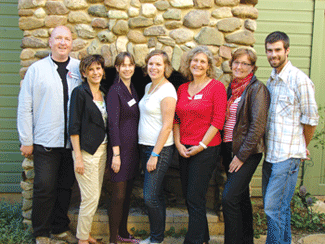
[[75, 129]]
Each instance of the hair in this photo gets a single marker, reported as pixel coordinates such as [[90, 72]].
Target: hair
[[251, 54], [87, 61], [185, 70], [119, 60], [168, 66], [278, 36]]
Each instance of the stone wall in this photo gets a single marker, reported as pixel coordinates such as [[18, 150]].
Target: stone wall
[[108, 27]]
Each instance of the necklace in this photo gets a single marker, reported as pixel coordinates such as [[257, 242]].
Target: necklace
[[154, 89]]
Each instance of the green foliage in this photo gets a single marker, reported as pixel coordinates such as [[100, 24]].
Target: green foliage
[[260, 223], [302, 215], [319, 136], [12, 229], [171, 232]]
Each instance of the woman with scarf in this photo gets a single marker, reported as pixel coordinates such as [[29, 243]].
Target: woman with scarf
[[243, 144]]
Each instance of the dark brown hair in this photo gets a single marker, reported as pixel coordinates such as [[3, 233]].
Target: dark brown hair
[[121, 56], [87, 61]]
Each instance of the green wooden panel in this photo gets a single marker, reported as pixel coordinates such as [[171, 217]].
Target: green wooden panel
[[8, 113], [10, 79], [287, 27], [8, 9], [8, 135], [10, 21], [306, 5], [10, 44], [11, 33], [11, 157], [12, 67], [8, 123], [9, 1], [8, 101], [9, 145], [11, 167], [298, 40], [10, 188], [10, 177], [9, 90], [9, 56], [292, 16]]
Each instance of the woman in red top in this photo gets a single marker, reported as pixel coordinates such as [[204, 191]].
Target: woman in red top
[[200, 115]]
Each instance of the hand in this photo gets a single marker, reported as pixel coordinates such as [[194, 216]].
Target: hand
[[182, 151], [27, 151], [79, 166], [152, 163], [307, 158], [116, 164], [235, 165], [191, 151]]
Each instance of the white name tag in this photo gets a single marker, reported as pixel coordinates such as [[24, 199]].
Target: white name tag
[[131, 102], [283, 98], [197, 97]]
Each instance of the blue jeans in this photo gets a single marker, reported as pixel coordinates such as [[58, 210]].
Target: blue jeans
[[196, 172], [153, 194], [278, 182]]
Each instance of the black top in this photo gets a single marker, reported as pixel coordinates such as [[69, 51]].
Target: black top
[[85, 119]]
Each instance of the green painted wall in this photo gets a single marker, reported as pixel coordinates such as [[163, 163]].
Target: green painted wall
[[10, 40]]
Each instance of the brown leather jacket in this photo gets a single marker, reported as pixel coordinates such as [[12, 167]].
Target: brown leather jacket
[[251, 118]]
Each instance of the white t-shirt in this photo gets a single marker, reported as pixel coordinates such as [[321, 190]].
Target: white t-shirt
[[150, 114]]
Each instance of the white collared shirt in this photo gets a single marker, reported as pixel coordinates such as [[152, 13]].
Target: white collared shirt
[[292, 105]]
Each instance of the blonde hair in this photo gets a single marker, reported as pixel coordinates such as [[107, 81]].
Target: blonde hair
[[168, 66]]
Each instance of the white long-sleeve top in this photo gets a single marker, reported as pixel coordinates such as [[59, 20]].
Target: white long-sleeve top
[[40, 115]]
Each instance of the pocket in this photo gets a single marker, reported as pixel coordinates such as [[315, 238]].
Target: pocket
[[286, 103]]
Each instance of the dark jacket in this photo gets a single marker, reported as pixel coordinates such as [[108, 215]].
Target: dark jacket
[[251, 118], [85, 119]]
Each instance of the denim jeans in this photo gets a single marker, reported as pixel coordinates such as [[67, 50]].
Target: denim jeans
[[236, 202], [196, 172], [153, 194], [278, 182]]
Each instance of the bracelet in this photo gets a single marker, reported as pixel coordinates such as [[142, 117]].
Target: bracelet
[[155, 154], [116, 155], [203, 145]]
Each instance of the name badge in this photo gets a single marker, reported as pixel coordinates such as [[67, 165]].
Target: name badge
[[197, 97], [283, 98], [131, 102]]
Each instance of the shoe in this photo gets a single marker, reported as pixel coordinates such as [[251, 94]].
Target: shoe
[[66, 236], [43, 240], [147, 241], [129, 239]]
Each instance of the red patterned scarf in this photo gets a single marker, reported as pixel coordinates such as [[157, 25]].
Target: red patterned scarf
[[238, 86]]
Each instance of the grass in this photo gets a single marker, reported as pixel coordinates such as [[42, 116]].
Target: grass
[[12, 229]]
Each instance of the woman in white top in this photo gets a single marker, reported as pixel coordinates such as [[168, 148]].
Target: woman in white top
[[157, 109]]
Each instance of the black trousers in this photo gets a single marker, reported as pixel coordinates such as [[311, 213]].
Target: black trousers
[[54, 177], [196, 172], [236, 203]]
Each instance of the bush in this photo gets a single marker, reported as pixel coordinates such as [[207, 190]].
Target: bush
[[12, 229]]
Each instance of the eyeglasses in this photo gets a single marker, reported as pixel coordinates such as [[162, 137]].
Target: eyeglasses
[[243, 64]]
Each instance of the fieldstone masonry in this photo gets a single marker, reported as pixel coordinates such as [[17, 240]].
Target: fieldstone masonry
[[108, 27]]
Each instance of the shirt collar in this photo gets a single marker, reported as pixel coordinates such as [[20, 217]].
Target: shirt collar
[[284, 72]]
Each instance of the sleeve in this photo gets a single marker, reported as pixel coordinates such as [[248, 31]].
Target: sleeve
[[176, 118], [113, 114], [219, 105], [259, 104], [25, 109], [168, 90], [308, 103], [77, 107]]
